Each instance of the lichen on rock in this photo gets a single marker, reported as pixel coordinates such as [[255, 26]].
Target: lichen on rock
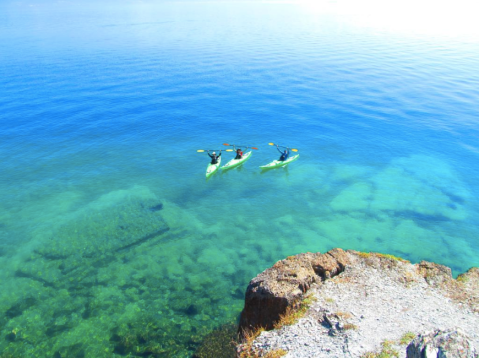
[[366, 304], [442, 344]]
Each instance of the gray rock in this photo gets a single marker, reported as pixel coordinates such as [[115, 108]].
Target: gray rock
[[389, 298], [441, 344]]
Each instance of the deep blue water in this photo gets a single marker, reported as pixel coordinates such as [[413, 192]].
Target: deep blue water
[[104, 106]]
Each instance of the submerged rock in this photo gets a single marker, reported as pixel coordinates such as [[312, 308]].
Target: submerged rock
[[156, 207], [94, 287], [93, 237], [219, 343]]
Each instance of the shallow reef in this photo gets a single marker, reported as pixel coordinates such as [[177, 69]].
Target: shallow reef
[[220, 343], [110, 281], [130, 273]]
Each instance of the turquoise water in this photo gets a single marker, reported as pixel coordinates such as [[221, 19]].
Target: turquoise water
[[112, 243]]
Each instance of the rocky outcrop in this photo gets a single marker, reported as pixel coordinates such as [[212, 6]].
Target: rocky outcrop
[[283, 285], [466, 289], [441, 344], [361, 304], [433, 273]]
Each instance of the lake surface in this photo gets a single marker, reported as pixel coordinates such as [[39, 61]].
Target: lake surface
[[112, 243]]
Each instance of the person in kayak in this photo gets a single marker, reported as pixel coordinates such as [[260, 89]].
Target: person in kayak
[[239, 154], [214, 157], [284, 155]]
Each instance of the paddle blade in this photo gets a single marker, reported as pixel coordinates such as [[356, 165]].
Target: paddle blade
[[229, 150], [200, 150], [271, 143], [226, 144], [294, 150], [254, 148]]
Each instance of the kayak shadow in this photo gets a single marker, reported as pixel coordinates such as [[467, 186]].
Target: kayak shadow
[[211, 176], [227, 170], [270, 170]]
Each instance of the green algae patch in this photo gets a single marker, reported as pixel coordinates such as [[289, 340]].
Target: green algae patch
[[462, 278], [407, 338], [109, 281], [392, 257], [386, 256], [388, 350], [220, 343]]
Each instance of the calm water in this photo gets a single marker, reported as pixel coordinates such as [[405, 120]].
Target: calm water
[[112, 243]]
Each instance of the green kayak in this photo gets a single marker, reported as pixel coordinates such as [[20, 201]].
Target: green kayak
[[212, 168], [235, 162], [278, 163]]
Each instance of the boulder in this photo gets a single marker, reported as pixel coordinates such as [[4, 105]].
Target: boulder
[[284, 285], [433, 273], [441, 344]]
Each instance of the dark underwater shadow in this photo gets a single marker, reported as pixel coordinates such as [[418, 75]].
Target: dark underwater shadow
[[238, 168], [215, 174], [283, 170]]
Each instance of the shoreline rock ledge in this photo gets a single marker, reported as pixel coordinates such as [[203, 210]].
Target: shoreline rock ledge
[[360, 305]]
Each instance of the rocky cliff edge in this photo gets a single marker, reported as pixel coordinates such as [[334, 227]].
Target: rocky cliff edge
[[360, 305]]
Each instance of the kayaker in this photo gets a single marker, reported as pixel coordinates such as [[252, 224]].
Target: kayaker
[[284, 155], [214, 157], [239, 154]]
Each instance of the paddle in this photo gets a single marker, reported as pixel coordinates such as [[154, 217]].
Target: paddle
[[236, 145], [282, 146], [214, 150]]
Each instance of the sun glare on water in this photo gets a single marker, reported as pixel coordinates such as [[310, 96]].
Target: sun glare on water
[[443, 18]]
